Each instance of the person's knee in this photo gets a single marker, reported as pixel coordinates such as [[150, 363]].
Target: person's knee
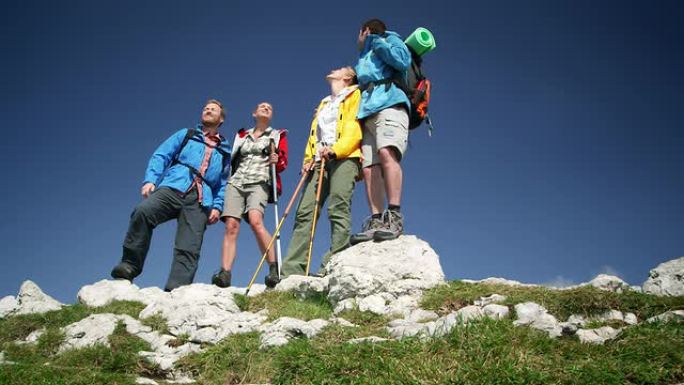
[[232, 227], [256, 220]]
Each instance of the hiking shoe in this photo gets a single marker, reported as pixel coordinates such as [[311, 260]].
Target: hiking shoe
[[124, 270], [367, 231], [272, 279], [222, 278], [393, 226]]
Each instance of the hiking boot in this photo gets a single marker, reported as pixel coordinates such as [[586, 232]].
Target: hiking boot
[[272, 279], [393, 226], [367, 231], [124, 270], [222, 278]]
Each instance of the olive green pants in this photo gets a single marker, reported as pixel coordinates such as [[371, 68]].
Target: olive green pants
[[337, 188]]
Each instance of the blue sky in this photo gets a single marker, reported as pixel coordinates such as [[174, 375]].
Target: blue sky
[[557, 150]]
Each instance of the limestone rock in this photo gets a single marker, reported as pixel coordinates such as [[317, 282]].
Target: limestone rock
[[631, 319], [371, 340], [92, 330], [668, 316], [535, 316], [32, 300], [403, 305], [34, 336], [230, 324], [145, 381], [667, 279], [347, 304], [342, 322], [373, 303], [496, 312], [192, 307], [402, 328], [283, 329], [304, 287], [8, 305], [104, 292], [421, 315], [494, 298], [404, 266], [610, 315], [609, 283], [597, 336]]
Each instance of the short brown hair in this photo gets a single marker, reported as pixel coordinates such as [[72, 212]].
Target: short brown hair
[[218, 103], [376, 26]]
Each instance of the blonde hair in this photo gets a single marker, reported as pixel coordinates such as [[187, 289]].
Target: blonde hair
[[349, 73]]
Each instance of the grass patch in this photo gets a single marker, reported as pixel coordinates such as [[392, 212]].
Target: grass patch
[[157, 322], [286, 304], [20, 326], [235, 360], [489, 352], [587, 300], [37, 364], [181, 340]]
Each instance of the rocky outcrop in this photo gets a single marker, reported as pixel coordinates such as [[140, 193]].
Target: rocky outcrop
[[666, 279], [385, 277], [8, 305], [609, 283], [31, 300]]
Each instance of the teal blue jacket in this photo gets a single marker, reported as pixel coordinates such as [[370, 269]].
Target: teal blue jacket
[[382, 57], [163, 171]]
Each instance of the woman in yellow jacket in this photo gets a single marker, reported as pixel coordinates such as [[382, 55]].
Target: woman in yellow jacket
[[336, 136]]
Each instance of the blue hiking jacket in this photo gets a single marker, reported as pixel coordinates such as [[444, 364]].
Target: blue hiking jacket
[[381, 58], [162, 172]]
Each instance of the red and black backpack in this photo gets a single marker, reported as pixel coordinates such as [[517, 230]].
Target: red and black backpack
[[417, 88]]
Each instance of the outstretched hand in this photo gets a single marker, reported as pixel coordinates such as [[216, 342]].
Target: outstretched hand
[[147, 189]]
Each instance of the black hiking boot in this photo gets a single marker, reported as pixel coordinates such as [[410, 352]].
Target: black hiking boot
[[367, 231], [222, 278], [393, 226], [272, 279], [124, 270]]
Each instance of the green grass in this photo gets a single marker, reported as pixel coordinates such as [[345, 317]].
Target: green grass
[[20, 326], [484, 352], [157, 322], [489, 352], [286, 304], [38, 364], [237, 359], [586, 300]]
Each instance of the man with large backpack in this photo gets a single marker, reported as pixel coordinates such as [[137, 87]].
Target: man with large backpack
[[384, 111], [185, 179]]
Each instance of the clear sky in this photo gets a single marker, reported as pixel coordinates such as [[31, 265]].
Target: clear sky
[[557, 150]]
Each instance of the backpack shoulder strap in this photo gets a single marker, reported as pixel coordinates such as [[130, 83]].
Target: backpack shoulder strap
[[188, 135]]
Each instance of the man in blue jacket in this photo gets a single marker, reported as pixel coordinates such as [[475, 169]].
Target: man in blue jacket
[[185, 179], [383, 63]]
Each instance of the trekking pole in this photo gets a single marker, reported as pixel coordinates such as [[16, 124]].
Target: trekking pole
[[277, 230], [313, 224], [279, 257]]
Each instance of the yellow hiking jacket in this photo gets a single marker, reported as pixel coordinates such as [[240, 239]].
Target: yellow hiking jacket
[[348, 144]]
